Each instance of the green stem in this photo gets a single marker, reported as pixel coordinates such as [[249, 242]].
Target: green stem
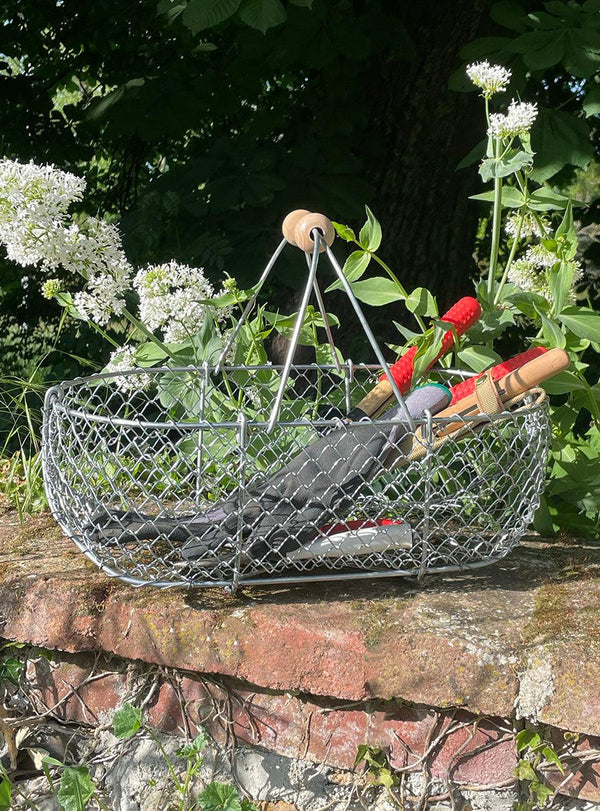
[[167, 759], [138, 325], [511, 256], [496, 221]]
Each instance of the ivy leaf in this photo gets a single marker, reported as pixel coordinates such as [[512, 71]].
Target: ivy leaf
[[377, 291], [263, 14], [559, 139], [127, 721], [370, 234], [76, 788], [524, 771], [550, 756], [201, 14]]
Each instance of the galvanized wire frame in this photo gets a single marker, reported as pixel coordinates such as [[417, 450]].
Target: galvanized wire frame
[[126, 473]]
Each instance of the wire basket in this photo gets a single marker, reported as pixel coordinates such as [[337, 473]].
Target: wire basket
[[229, 475], [153, 500]]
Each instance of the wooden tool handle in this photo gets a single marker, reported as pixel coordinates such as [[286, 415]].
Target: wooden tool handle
[[512, 384]]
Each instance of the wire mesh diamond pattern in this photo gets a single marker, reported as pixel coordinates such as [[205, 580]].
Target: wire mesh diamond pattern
[[155, 496]]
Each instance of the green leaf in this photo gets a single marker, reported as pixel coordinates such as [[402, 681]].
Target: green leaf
[[344, 232], [559, 139], [478, 358], [553, 335], [476, 154], [591, 102], [550, 756], [354, 267], [377, 291], [563, 383], [219, 797], [502, 167], [566, 236], [511, 197], [5, 795], [527, 738], [127, 721], [540, 49], [191, 750], [201, 14], [541, 792], [585, 323], [545, 199], [149, 354], [10, 669], [262, 14], [76, 788], [421, 302], [509, 14], [370, 234], [524, 771]]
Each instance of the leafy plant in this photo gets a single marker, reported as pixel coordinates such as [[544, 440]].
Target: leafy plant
[[215, 796], [536, 753]]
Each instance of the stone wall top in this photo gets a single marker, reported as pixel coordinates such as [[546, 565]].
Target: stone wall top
[[519, 638]]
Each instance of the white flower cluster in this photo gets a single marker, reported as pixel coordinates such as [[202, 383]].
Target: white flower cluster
[[36, 230], [490, 78], [530, 272], [530, 227], [122, 360], [170, 299], [517, 121]]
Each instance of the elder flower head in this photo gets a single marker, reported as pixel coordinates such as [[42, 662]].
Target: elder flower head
[[517, 121], [490, 78]]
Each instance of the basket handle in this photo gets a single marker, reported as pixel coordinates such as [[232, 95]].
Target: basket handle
[[298, 226]]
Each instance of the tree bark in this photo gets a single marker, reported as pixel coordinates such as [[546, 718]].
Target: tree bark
[[423, 131]]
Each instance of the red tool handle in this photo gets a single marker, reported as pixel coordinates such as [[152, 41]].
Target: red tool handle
[[462, 316], [467, 387]]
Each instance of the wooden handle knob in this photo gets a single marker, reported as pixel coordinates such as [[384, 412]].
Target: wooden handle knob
[[290, 222], [305, 225]]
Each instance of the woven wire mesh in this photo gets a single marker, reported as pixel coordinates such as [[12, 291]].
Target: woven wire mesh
[[155, 496]]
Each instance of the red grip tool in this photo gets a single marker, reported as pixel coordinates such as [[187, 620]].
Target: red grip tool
[[461, 315], [467, 387]]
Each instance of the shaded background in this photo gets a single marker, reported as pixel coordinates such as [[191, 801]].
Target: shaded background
[[199, 124]]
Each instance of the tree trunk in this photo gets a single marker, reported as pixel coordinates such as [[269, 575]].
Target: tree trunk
[[423, 131]]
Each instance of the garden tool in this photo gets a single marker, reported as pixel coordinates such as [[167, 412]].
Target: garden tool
[[286, 510]]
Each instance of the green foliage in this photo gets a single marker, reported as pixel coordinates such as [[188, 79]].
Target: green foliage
[[536, 753], [560, 40], [377, 765], [127, 721]]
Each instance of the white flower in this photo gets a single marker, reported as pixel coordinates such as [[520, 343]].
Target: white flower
[[517, 121], [530, 226], [51, 288], [170, 297], [122, 360], [490, 78], [540, 256]]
